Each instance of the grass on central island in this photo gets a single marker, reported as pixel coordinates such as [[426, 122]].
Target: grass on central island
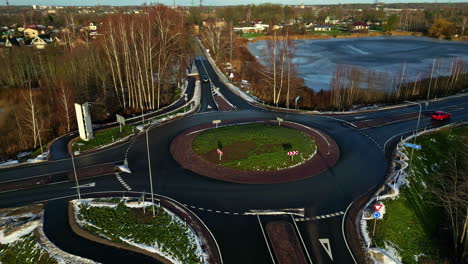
[[258, 147]]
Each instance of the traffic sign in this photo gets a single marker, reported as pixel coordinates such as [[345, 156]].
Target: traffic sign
[[377, 207], [376, 215], [279, 120], [292, 153], [220, 153], [216, 122], [413, 146]]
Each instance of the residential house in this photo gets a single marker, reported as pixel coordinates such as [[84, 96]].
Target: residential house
[[322, 28], [309, 26], [38, 43], [215, 22], [359, 26], [92, 27], [277, 27], [331, 20], [30, 33], [257, 28]]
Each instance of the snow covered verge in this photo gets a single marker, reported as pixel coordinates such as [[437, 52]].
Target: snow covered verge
[[39, 158], [22, 239], [397, 179], [129, 221]]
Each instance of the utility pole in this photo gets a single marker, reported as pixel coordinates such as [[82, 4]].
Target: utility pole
[[149, 167], [430, 81]]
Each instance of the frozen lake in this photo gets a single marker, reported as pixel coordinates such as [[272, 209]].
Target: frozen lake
[[316, 59]]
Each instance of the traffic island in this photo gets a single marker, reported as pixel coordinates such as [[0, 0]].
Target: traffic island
[[255, 151], [22, 239], [128, 223]]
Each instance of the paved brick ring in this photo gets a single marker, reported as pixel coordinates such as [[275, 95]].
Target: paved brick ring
[[327, 155]]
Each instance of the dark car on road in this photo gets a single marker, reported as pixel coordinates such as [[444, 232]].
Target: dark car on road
[[440, 115], [205, 79]]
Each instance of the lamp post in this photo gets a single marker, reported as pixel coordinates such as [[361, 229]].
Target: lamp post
[[295, 102], [76, 177], [149, 167], [414, 133]]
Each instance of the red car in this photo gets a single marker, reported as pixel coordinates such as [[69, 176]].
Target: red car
[[440, 115]]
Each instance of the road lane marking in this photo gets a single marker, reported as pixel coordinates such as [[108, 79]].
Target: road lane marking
[[343, 232], [125, 185], [360, 117], [89, 185], [302, 240], [326, 245], [266, 241], [52, 173]]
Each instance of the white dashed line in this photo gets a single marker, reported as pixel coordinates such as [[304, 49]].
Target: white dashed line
[[318, 217], [117, 175]]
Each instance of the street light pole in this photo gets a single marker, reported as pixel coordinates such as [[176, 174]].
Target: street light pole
[[150, 175], [76, 177], [416, 131]]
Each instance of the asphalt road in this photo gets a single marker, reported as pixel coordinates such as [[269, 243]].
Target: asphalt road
[[221, 205]]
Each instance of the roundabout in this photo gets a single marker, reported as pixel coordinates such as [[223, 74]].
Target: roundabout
[[239, 152]]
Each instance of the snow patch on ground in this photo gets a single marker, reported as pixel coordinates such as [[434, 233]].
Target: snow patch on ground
[[9, 162], [156, 248], [27, 228]]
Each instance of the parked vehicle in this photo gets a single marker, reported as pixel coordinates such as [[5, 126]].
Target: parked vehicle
[[440, 115]]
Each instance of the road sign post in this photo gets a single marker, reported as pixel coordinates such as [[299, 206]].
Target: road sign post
[[220, 153], [279, 120], [414, 146], [292, 154], [216, 122], [121, 121]]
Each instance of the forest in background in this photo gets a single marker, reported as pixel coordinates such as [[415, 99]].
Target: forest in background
[[136, 64]]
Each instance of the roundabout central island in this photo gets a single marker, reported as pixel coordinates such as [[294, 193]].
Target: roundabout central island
[[255, 151]]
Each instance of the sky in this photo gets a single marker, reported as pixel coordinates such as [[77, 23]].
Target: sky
[[196, 2]]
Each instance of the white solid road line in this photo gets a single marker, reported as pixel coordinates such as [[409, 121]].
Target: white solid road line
[[266, 241], [302, 240], [343, 232], [52, 173], [88, 185]]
